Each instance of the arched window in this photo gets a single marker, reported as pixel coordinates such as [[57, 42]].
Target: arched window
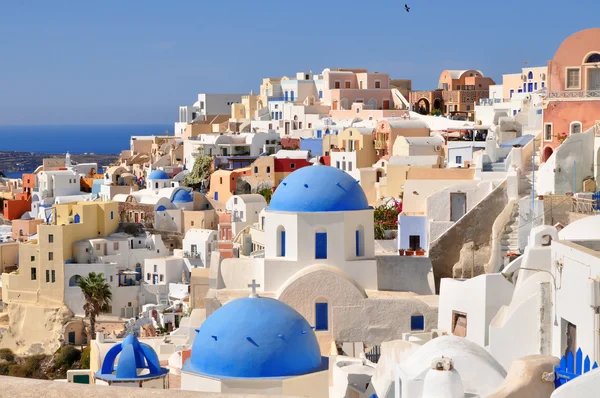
[[530, 75], [321, 314], [593, 58], [73, 280], [77, 219], [255, 170], [280, 241], [268, 169], [321, 243], [575, 127], [359, 239], [372, 103], [417, 322]]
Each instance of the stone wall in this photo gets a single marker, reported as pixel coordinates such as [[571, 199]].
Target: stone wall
[[127, 209], [556, 209], [475, 226], [405, 274]]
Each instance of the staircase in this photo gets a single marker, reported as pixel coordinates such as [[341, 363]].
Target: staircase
[[527, 175], [496, 166], [510, 235]]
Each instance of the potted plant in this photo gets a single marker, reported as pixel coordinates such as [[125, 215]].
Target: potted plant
[[420, 251], [410, 252], [401, 252]]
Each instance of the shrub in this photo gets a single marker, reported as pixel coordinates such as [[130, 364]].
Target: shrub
[[16, 371], [33, 367], [4, 368], [66, 357], [7, 355], [85, 358]]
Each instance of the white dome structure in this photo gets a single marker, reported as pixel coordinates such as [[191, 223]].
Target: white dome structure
[[587, 228], [443, 381]]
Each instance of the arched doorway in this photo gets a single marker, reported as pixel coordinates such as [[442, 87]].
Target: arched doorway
[[437, 104], [548, 151]]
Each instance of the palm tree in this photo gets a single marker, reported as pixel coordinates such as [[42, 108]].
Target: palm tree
[[97, 296]]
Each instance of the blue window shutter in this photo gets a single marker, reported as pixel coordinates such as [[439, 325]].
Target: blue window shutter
[[357, 240], [216, 196], [320, 93], [321, 245], [321, 315], [282, 243], [417, 322]]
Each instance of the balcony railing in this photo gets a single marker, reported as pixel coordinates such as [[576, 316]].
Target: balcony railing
[[574, 95], [275, 98], [191, 255], [492, 101]]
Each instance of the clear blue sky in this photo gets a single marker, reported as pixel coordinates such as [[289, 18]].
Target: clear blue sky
[[125, 61]]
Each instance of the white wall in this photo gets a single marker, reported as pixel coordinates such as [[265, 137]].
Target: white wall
[[412, 225]]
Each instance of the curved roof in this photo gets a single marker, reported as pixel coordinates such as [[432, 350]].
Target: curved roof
[[254, 337], [133, 358], [587, 228], [456, 74], [158, 175], [182, 196], [318, 188]]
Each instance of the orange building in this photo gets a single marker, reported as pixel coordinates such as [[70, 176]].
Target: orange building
[[223, 183], [21, 203], [573, 101], [23, 229]]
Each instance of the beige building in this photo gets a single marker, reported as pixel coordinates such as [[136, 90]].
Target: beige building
[[212, 124], [8, 255], [361, 141], [529, 80], [41, 261], [387, 130], [419, 146]]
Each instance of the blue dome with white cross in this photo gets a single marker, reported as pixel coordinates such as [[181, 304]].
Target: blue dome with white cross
[[158, 175], [319, 189], [255, 337]]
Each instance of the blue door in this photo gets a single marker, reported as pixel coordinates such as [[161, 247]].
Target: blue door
[[529, 87], [511, 93], [321, 245], [282, 243], [321, 313], [216, 196], [71, 337], [77, 219], [286, 95], [357, 242], [292, 95]]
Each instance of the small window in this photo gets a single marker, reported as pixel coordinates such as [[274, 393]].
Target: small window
[[575, 128], [50, 256], [321, 315], [548, 132], [33, 274], [162, 277], [377, 84], [417, 322], [53, 276], [111, 278], [593, 58], [32, 258], [292, 165], [50, 238], [112, 215], [336, 85], [320, 93], [192, 223], [321, 245], [468, 107], [573, 78], [347, 84], [459, 160], [255, 170], [116, 246], [155, 268], [148, 276], [268, 169], [48, 276]]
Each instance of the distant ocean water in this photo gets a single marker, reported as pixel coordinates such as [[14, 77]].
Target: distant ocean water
[[102, 139]]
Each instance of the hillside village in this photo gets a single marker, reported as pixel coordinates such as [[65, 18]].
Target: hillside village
[[335, 234]]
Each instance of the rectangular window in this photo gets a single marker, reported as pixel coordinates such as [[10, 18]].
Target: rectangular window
[[50, 256], [337, 85], [116, 246], [337, 164], [349, 166], [321, 315], [53, 276], [548, 132], [573, 78], [111, 278], [50, 238], [112, 215], [155, 268], [377, 84], [321, 245], [459, 160], [192, 223], [194, 249], [47, 275], [292, 166], [320, 93], [459, 324], [417, 322], [468, 107], [98, 246], [33, 273], [282, 243], [162, 277], [357, 242], [32, 258], [347, 84]]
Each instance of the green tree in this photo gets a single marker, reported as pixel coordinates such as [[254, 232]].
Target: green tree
[[7, 355], [97, 295], [200, 172]]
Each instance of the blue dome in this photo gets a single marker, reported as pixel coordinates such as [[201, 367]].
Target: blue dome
[[158, 175], [254, 337], [182, 196], [318, 189], [135, 356]]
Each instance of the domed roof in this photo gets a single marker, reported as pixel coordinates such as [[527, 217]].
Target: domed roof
[[137, 361], [586, 228], [254, 337], [318, 189], [182, 196], [158, 175]]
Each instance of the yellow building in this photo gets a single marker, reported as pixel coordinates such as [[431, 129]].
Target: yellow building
[[361, 141], [41, 261]]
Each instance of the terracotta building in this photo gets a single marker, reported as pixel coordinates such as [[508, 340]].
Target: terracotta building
[[573, 101]]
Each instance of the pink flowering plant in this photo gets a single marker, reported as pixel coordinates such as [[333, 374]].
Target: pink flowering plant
[[386, 217]]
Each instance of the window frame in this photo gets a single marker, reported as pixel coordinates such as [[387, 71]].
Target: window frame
[[551, 132], [567, 69], [571, 127]]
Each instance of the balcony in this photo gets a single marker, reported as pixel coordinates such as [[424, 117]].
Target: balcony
[[574, 95], [193, 255], [275, 99]]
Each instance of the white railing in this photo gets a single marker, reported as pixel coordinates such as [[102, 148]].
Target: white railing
[[574, 95]]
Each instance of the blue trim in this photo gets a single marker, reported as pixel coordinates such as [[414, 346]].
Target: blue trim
[[357, 242], [321, 316], [282, 243], [321, 245], [77, 219], [417, 322]]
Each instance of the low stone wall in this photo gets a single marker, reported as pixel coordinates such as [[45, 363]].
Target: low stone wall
[[405, 274], [475, 227]]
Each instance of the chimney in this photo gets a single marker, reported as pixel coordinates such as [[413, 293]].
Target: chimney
[[100, 337]]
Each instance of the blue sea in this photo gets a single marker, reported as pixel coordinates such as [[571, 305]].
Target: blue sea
[[104, 139], [56, 139]]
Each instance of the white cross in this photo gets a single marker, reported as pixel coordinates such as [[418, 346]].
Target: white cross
[[254, 285]]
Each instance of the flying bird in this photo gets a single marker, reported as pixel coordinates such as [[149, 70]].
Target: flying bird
[[407, 8]]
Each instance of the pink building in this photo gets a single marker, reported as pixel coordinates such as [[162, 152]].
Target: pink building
[[343, 87], [573, 101]]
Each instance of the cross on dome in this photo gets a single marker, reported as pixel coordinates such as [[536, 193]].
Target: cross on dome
[[254, 285]]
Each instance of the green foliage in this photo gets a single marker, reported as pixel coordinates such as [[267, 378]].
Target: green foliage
[[7, 355], [386, 218], [16, 371], [200, 172], [30, 368], [267, 193], [85, 358], [97, 294], [436, 112], [4, 366], [66, 357]]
